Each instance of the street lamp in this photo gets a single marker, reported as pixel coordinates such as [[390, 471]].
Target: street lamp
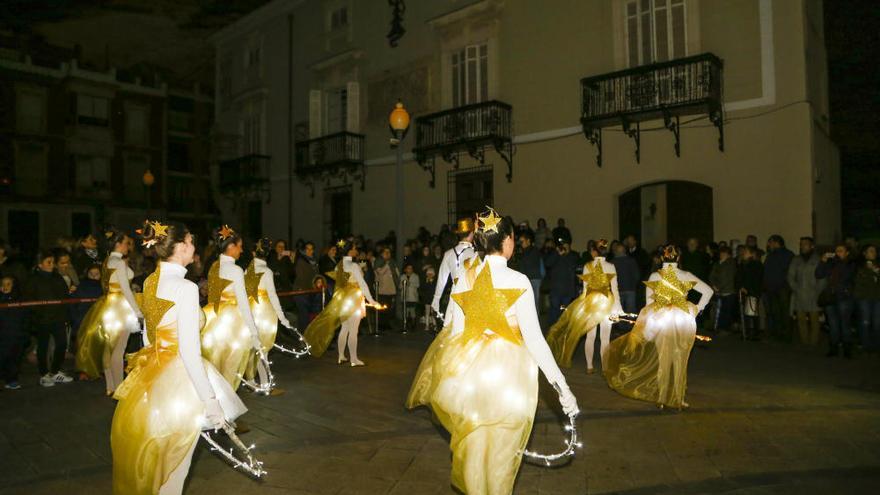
[[398, 122], [149, 180]]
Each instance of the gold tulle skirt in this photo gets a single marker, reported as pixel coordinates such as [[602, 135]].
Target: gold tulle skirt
[[484, 392], [650, 362], [159, 416], [100, 332], [267, 327], [344, 303], [226, 341], [579, 318]]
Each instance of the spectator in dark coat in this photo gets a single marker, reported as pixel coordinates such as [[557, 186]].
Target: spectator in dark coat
[[722, 278], [840, 271], [749, 281], [867, 293], [777, 293], [628, 278], [561, 234], [13, 333], [561, 265], [305, 269], [85, 255], [696, 260], [89, 287], [281, 264], [530, 263], [49, 321]]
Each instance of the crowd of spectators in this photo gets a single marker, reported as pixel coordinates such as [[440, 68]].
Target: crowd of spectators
[[760, 293]]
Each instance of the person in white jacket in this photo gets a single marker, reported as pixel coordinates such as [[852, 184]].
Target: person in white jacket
[[454, 261], [480, 375], [172, 393]]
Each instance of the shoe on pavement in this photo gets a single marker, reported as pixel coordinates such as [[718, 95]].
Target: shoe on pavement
[[13, 385], [62, 377], [47, 380]]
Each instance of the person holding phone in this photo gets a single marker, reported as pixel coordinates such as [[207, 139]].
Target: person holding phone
[[839, 270]]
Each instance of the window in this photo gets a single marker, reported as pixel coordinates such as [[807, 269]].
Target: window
[[655, 31], [339, 18], [470, 75], [252, 135], [136, 129], [93, 110], [336, 110], [92, 174], [31, 111], [31, 169], [180, 197], [178, 156]]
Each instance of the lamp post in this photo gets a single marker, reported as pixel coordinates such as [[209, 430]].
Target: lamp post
[[398, 122], [149, 180]]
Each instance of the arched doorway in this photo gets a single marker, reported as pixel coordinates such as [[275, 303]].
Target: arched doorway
[[667, 211]]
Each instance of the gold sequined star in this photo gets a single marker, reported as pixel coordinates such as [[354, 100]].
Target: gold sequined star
[[340, 276], [670, 290], [106, 275], [159, 229], [225, 232], [252, 281], [596, 278], [490, 222], [484, 307], [216, 285], [154, 307]]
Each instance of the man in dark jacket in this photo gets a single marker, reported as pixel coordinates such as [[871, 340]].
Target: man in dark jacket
[[643, 260], [85, 255], [777, 294], [749, 280], [561, 234], [722, 278], [48, 321], [530, 263], [840, 271], [305, 269], [13, 333], [561, 265], [628, 278], [696, 260]]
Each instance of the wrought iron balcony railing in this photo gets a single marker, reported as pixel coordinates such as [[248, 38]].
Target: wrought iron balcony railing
[[340, 154], [247, 174], [470, 128], [667, 90]]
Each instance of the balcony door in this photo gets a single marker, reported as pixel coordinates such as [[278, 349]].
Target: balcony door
[[337, 213]]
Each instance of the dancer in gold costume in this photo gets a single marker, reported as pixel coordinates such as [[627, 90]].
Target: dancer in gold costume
[[171, 393], [346, 308], [480, 375], [650, 362], [230, 335], [597, 302], [103, 333]]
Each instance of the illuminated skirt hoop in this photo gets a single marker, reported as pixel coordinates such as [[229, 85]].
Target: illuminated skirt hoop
[[579, 318], [267, 327], [226, 340], [159, 416], [484, 392], [346, 301], [650, 362], [100, 331]]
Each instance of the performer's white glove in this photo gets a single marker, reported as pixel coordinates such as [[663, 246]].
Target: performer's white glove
[[567, 399], [214, 417], [436, 307]]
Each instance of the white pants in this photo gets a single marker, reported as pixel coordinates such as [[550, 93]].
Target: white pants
[[174, 485], [349, 335], [604, 332]]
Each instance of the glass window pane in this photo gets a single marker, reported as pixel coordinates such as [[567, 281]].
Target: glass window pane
[[456, 99], [662, 39], [471, 81], [484, 77], [631, 9], [678, 32], [647, 53], [632, 33]]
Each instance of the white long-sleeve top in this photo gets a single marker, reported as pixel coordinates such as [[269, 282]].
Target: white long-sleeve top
[[609, 268], [702, 287], [186, 313], [357, 274], [267, 283], [523, 312], [451, 266], [230, 271], [122, 277]]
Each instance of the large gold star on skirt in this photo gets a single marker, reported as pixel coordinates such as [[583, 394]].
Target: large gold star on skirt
[[216, 285], [154, 306], [596, 278], [340, 276], [106, 275], [670, 290], [252, 281], [484, 307]]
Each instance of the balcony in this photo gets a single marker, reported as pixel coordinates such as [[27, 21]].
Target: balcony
[[340, 154], [247, 175], [665, 90], [471, 129]]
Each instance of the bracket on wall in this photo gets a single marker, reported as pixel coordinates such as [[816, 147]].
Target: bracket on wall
[[428, 165], [716, 116], [594, 136], [635, 134], [505, 149], [673, 125]]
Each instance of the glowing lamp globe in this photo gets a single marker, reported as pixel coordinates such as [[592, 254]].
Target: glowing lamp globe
[[399, 118], [148, 178]]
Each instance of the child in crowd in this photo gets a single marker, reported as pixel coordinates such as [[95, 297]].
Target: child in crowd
[[409, 290], [426, 295], [13, 334], [49, 322], [88, 288], [319, 299]]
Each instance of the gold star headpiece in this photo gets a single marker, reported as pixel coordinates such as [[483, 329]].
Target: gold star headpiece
[[490, 221], [108, 234], [226, 232], [160, 231], [341, 243]]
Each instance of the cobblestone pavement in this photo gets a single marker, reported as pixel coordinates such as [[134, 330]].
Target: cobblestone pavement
[[765, 419]]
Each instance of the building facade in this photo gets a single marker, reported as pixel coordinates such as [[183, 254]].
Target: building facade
[[76, 143], [662, 118]]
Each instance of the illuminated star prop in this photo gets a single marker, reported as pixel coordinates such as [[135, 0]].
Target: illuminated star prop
[[484, 307], [106, 275], [490, 222], [670, 290], [226, 232], [154, 306], [596, 278], [340, 276], [216, 285], [252, 281]]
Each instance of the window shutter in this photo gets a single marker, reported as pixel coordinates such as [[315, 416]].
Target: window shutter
[[314, 113], [353, 108]]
